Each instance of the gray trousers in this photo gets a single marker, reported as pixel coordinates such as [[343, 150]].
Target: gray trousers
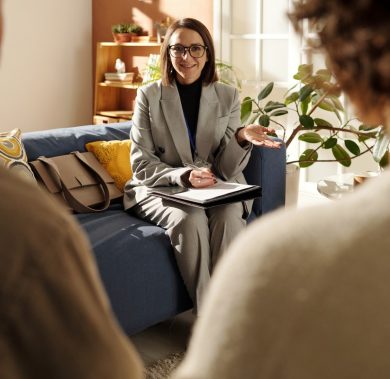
[[199, 237]]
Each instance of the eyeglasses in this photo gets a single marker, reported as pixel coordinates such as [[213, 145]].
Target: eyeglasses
[[196, 51]]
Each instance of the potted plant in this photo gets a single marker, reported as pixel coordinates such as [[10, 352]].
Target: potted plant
[[125, 31], [346, 140]]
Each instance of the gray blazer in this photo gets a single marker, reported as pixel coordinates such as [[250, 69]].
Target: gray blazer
[[160, 146]]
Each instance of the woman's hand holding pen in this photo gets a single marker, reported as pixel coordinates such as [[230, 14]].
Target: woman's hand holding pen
[[201, 177], [257, 135]]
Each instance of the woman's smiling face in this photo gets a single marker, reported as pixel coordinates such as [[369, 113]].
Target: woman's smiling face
[[188, 69]]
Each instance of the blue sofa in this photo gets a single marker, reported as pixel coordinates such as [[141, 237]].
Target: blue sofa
[[134, 257]]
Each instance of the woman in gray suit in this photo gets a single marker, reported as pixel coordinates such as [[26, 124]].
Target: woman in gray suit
[[188, 120]]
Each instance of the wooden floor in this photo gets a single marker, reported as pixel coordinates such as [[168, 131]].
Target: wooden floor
[[163, 339]]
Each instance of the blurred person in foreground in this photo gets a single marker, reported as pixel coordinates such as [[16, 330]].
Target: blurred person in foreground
[[305, 294], [55, 319]]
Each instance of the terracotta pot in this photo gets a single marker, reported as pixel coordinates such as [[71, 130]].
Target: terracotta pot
[[122, 37]]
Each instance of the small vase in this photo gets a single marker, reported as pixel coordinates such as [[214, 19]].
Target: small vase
[[292, 185]]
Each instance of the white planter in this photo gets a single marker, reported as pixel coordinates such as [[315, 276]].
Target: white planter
[[292, 185]]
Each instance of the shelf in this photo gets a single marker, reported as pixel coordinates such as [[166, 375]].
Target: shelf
[[117, 114], [140, 44], [120, 85], [109, 96]]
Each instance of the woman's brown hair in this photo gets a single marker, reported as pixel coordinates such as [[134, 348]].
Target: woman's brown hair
[[168, 73], [355, 35]]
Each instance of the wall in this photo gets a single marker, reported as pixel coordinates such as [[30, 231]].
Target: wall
[[46, 65], [146, 13]]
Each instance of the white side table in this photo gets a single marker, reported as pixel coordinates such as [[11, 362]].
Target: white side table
[[336, 186]]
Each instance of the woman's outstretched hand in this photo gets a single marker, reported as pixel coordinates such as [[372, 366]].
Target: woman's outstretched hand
[[257, 135], [201, 178]]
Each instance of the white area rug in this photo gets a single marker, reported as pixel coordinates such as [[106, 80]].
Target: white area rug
[[162, 368]]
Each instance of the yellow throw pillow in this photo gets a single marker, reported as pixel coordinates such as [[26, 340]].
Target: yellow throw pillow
[[13, 156], [114, 156]]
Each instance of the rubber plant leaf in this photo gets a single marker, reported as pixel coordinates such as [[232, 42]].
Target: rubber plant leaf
[[246, 109], [311, 137], [307, 158], [341, 155], [265, 91]]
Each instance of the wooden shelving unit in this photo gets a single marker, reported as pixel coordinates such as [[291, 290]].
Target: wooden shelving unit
[[114, 102]]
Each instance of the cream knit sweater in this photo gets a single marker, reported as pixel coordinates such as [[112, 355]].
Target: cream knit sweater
[[302, 295]]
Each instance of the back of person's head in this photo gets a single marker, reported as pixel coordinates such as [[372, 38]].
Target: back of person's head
[[355, 35], [168, 74]]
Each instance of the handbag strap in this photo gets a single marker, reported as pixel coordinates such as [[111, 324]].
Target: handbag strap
[[71, 200]]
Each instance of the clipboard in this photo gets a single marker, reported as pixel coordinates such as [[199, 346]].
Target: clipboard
[[219, 194]]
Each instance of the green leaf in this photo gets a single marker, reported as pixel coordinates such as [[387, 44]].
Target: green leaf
[[304, 71], [291, 98], [381, 146], [384, 162], [306, 121], [310, 137], [364, 127], [329, 143], [336, 112], [280, 112], [336, 102], [305, 105], [366, 136], [307, 158], [305, 91], [265, 91], [321, 122], [341, 155], [264, 120], [324, 74], [327, 106], [352, 146], [246, 109], [272, 105]]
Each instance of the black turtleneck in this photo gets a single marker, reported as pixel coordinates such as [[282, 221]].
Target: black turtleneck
[[190, 98]]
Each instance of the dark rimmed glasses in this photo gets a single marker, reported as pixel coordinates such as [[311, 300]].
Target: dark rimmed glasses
[[178, 51]]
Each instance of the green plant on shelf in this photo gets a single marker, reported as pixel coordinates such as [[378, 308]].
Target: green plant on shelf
[[127, 28]]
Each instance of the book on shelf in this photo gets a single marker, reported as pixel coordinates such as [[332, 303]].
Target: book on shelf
[[120, 82], [120, 77], [218, 194]]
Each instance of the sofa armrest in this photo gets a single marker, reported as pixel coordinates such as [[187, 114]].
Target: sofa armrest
[[267, 168]]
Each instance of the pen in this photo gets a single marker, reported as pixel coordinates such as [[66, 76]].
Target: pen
[[192, 166], [199, 166], [195, 167]]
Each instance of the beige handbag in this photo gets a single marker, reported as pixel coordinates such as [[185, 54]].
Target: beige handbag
[[78, 180]]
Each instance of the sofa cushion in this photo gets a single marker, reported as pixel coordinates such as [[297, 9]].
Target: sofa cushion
[[13, 155], [137, 266], [62, 141], [114, 156]]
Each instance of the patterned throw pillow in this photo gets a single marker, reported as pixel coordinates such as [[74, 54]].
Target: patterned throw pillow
[[114, 156], [13, 156]]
